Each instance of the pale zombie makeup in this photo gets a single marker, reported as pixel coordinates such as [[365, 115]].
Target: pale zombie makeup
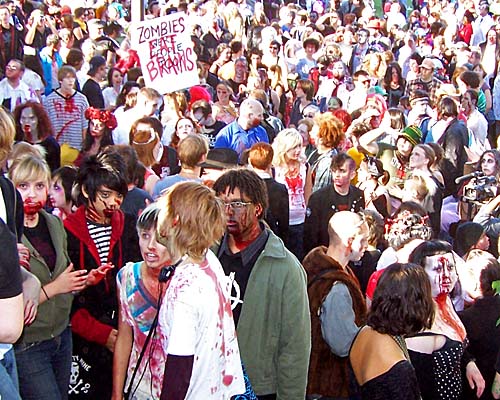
[[442, 273], [107, 201], [117, 78], [96, 128], [359, 244], [304, 132], [488, 164], [154, 254], [184, 128], [56, 195], [29, 121], [418, 158]]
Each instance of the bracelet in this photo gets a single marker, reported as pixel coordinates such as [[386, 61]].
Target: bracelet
[[45, 293]]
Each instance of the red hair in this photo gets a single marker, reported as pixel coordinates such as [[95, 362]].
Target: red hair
[[344, 117]]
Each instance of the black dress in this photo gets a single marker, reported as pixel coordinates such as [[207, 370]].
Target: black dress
[[399, 383], [438, 373]]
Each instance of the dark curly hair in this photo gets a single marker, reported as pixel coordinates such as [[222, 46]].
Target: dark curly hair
[[402, 303], [249, 184], [44, 125], [104, 169]]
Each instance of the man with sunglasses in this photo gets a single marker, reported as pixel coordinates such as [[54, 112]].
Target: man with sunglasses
[[357, 97], [270, 306]]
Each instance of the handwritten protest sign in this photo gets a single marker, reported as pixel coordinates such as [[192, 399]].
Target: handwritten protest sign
[[166, 52]]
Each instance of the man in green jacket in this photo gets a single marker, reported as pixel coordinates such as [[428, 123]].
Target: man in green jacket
[[270, 303]]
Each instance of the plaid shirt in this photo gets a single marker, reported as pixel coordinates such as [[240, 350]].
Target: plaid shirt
[[428, 87]]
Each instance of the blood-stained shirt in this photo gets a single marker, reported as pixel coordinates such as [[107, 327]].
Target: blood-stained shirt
[[138, 309], [196, 320], [67, 117]]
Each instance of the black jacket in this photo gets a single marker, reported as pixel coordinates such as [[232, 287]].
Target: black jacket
[[322, 205], [278, 214], [454, 140]]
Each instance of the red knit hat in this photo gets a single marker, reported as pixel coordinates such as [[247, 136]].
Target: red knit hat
[[198, 93]]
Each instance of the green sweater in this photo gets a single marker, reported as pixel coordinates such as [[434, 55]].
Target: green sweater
[[53, 315], [274, 329]]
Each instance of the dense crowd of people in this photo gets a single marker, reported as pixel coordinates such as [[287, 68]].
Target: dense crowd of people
[[317, 218]]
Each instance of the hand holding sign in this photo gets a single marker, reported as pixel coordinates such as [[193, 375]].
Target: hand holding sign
[[164, 45]]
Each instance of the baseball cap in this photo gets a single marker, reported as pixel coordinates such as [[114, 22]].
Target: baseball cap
[[427, 63]]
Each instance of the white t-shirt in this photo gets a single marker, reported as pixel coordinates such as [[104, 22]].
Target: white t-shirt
[[196, 319]]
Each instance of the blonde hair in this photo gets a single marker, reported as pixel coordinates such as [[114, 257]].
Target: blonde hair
[[286, 140], [418, 185], [29, 168], [20, 149], [377, 71], [425, 188], [7, 134], [191, 149], [192, 218]]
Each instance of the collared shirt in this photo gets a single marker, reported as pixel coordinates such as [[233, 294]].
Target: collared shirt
[[430, 87], [233, 136]]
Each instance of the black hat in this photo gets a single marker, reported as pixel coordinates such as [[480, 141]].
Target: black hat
[[222, 158], [94, 64]]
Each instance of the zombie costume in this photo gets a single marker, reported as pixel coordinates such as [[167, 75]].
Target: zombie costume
[[196, 319], [67, 115], [95, 309]]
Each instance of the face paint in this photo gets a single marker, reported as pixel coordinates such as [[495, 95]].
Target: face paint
[[34, 195], [31, 208], [255, 122], [242, 218], [442, 273], [107, 202]]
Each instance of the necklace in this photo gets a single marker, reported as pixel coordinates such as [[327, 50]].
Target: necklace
[[402, 345]]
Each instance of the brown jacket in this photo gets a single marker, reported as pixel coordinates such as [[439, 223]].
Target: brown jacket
[[328, 373]]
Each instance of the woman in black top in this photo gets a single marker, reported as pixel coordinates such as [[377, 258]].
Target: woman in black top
[[439, 355], [394, 84], [402, 305]]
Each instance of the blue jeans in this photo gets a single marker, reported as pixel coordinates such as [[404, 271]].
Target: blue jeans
[[9, 387], [45, 367]]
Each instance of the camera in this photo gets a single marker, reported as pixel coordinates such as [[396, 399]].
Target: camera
[[480, 189]]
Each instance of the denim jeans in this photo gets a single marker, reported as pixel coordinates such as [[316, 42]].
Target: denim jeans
[[45, 367], [9, 387]]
